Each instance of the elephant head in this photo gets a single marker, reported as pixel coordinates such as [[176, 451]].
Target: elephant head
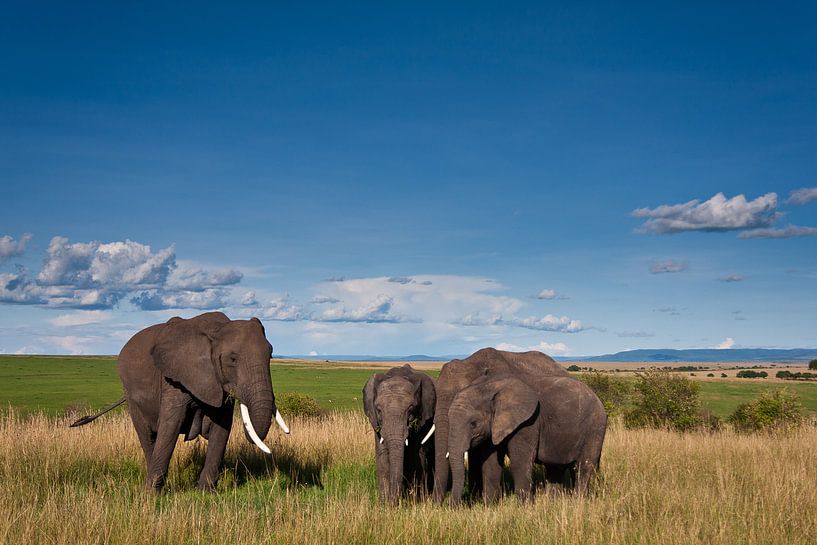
[[491, 409], [400, 407], [212, 357]]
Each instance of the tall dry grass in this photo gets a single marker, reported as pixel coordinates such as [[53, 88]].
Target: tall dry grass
[[78, 486]]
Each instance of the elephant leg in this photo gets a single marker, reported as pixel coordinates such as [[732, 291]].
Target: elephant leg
[[521, 454], [171, 417], [585, 469], [147, 437], [218, 434], [492, 475], [382, 459]]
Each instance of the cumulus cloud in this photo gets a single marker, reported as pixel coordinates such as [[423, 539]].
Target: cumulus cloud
[[729, 342], [80, 318], [377, 310], [12, 248], [282, 308], [732, 278], [549, 322], [546, 347], [549, 294], [716, 214], [193, 278], [248, 299], [803, 196], [667, 266], [790, 231], [636, 334], [96, 275]]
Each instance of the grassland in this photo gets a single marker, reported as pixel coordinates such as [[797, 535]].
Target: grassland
[[50, 384], [68, 486]]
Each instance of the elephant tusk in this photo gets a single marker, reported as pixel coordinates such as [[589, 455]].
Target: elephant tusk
[[406, 441], [446, 454], [381, 440], [245, 417], [280, 420], [465, 456], [429, 434]]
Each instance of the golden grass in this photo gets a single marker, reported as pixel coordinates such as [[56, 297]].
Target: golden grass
[[78, 486]]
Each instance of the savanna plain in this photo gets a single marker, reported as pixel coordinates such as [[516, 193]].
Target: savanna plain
[[84, 485]]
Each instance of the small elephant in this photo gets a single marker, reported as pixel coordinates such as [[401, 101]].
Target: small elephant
[[560, 423], [181, 377], [400, 407]]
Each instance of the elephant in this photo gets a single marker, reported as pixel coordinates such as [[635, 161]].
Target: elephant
[[182, 377], [457, 375], [400, 407], [558, 422]]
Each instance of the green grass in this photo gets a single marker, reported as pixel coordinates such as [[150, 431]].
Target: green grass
[[49, 384], [722, 397]]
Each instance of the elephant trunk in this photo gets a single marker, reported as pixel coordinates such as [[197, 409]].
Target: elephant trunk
[[258, 397], [441, 467], [457, 474], [394, 433]]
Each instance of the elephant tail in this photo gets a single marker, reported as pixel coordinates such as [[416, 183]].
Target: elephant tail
[[88, 419]]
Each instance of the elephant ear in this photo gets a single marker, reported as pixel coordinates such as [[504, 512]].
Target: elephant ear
[[428, 398], [513, 404], [369, 395], [184, 353]]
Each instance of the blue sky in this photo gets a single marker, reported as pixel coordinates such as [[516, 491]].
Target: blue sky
[[418, 179]]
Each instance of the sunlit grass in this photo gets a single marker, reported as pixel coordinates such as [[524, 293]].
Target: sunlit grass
[[61, 485]]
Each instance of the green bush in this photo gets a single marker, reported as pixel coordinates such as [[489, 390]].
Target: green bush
[[710, 374], [574, 368], [788, 375], [723, 375], [812, 365], [748, 373], [297, 404], [770, 410], [613, 392], [664, 400]]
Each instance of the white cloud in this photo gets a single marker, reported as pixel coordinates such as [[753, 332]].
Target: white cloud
[[12, 248], [803, 196], [195, 278], [248, 299], [667, 266], [73, 344], [729, 342], [548, 348], [716, 214], [281, 308], [82, 317], [549, 294], [732, 278], [378, 309], [790, 231], [208, 299], [548, 322]]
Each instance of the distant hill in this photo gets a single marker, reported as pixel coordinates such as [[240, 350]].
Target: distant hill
[[706, 354]]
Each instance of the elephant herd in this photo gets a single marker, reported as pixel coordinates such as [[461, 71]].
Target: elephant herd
[[184, 376], [485, 407]]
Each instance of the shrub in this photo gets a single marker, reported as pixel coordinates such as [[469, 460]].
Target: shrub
[[723, 375], [812, 365], [770, 410], [788, 375], [574, 368], [663, 399], [710, 374], [748, 373], [613, 392], [297, 404]]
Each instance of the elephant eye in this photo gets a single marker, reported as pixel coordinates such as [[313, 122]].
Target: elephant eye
[[473, 424]]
